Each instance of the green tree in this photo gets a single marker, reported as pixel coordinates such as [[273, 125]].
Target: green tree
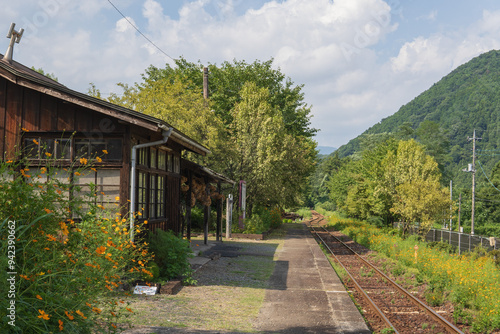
[[271, 161], [413, 179]]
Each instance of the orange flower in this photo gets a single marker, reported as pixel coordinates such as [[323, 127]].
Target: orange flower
[[105, 151], [96, 310], [47, 210], [89, 305], [83, 161], [128, 309], [34, 141], [43, 315], [70, 317], [98, 159], [113, 313], [48, 154], [61, 327], [25, 130], [100, 250], [80, 313], [113, 325], [38, 296], [51, 237], [25, 277], [109, 288]]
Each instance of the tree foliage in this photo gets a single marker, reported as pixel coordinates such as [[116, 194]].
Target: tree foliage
[[442, 119], [255, 122], [396, 181]]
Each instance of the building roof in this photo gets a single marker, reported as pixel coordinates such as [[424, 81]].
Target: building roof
[[26, 77], [204, 171]]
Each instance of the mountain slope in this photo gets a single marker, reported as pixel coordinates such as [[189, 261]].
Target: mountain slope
[[466, 99]]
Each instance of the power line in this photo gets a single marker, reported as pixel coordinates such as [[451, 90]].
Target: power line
[[480, 165], [137, 29]]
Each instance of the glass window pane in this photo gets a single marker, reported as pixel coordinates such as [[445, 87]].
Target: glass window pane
[[31, 148], [46, 146], [162, 160], [63, 149], [177, 164], [114, 148], [81, 148], [153, 157], [169, 163]]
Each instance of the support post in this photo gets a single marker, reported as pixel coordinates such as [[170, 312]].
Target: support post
[[218, 232], [206, 215], [188, 206], [229, 215]]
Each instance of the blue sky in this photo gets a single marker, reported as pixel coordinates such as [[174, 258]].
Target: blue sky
[[359, 60]]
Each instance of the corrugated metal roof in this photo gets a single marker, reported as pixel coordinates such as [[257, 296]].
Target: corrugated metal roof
[[22, 72]]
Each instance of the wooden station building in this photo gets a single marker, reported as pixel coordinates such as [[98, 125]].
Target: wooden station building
[[142, 160]]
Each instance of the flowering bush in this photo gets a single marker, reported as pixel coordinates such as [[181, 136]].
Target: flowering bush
[[65, 273]]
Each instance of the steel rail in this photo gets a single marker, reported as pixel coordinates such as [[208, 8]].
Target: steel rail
[[445, 323], [372, 304]]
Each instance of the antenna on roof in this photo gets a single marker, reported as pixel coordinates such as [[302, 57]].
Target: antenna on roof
[[15, 37]]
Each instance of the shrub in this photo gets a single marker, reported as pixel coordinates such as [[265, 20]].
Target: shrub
[[171, 254], [154, 270], [68, 271]]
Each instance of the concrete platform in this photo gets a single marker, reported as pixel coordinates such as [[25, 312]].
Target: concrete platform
[[306, 295]]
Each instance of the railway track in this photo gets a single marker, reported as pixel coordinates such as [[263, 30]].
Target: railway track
[[387, 305]]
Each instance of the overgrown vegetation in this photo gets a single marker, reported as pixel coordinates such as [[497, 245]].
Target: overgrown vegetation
[[63, 274], [441, 119], [255, 123], [171, 254], [469, 281]]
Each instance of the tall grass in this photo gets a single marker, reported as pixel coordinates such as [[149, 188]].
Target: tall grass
[[469, 281]]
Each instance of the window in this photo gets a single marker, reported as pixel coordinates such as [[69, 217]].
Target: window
[[39, 147], [160, 196], [42, 148], [177, 164], [169, 163], [153, 200], [141, 192], [100, 187], [162, 160], [142, 157], [153, 158], [106, 149], [151, 195]]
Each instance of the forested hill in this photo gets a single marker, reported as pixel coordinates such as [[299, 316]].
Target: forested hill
[[466, 99]]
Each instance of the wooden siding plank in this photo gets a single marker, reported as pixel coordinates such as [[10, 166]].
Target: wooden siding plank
[[48, 113], [31, 110], [13, 118], [83, 119], [66, 117], [3, 107]]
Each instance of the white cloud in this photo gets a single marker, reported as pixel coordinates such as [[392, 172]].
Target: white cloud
[[330, 46]]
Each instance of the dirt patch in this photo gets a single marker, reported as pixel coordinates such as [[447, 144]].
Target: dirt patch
[[227, 298]]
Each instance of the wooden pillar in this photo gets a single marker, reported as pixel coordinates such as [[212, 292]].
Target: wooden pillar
[[206, 215], [219, 214], [188, 206]]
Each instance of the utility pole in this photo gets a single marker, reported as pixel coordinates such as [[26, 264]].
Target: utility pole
[[451, 205], [473, 170]]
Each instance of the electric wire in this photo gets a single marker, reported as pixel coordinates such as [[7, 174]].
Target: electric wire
[[480, 165], [140, 32]]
